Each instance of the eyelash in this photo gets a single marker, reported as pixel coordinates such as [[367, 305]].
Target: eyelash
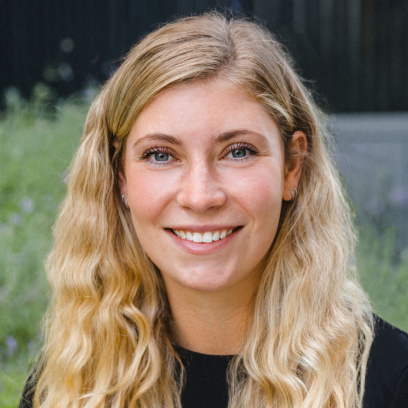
[[236, 146]]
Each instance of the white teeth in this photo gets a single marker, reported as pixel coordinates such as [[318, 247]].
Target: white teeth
[[207, 237]]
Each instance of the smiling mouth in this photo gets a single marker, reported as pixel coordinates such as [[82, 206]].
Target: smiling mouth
[[204, 237]]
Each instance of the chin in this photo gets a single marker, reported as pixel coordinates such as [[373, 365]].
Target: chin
[[207, 286], [202, 281]]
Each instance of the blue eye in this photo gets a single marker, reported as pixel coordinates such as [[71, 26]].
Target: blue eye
[[160, 156], [239, 153]]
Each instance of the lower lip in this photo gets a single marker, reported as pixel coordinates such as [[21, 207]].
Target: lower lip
[[203, 248]]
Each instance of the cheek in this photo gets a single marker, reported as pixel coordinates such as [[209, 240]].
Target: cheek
[[260, 194], [148, 192]]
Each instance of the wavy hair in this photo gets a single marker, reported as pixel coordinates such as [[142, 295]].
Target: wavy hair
[[107, 333]]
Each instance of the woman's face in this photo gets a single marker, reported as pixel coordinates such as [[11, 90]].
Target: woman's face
[[205, 177]]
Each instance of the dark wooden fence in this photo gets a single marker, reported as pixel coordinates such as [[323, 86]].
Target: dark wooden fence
[[354, 52]]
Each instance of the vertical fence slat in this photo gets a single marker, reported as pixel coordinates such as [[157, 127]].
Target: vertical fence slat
[[404, 55], [382, 55], [299, 19], [368, 55], [395, 60], [354, 42], [268, 11]]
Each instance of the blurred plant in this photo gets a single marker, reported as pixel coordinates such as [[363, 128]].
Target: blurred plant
[[386, 209], [384, 278], [41, 105], [37, 141]]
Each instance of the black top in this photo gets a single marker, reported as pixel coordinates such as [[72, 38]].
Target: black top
[[386, 380]]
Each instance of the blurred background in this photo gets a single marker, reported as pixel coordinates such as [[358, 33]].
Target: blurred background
[[353, 54]]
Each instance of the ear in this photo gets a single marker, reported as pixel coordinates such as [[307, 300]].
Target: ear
[[121, 175], [294, 164]]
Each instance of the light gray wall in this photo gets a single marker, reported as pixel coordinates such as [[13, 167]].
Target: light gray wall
[[372, 155]]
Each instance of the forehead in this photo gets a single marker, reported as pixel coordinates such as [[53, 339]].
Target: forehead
[[203, 109]]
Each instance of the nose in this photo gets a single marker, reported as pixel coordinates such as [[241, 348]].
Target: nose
[[201, 189]]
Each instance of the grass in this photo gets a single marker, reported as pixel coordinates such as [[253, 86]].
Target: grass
[[36, 146]]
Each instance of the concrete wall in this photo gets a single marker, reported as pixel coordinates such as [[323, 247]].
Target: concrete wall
[[372, 154]]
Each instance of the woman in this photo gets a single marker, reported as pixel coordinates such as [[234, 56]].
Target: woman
[[204, 253]]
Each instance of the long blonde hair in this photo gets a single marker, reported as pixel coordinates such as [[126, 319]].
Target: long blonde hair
[[107, 330]]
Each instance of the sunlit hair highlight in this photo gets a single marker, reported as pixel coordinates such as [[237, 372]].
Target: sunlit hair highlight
[[108, 342]]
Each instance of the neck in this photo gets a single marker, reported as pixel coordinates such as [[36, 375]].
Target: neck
[[210, 322]]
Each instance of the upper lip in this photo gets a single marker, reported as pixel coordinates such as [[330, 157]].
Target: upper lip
[[204, 228]]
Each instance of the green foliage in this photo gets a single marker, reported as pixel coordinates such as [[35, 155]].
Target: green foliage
[[383, 275], [11, 385], [37, 142]]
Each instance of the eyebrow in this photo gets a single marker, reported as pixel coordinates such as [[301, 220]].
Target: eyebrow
[[158, 136], [223, 137]]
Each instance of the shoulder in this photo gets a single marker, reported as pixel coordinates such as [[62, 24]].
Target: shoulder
[[387, 369]]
